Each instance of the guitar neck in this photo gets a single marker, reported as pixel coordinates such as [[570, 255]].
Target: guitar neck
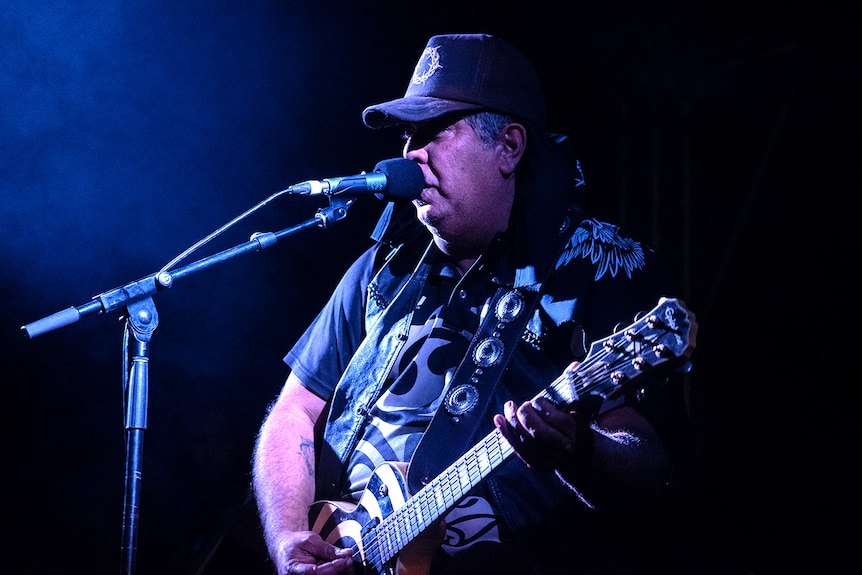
[[663, 338], [440, 496], [444, 492]]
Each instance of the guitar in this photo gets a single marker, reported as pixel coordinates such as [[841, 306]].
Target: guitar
[[385, 519]]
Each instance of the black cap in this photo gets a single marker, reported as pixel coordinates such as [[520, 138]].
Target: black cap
[[465, 72]]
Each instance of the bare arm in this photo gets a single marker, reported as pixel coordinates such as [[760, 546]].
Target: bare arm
[[617, 462], [283, 480]]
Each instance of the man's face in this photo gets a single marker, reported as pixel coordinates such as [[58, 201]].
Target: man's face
[[467, 198]]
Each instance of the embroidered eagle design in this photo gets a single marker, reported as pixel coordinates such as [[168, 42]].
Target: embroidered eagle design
[[601, 243]]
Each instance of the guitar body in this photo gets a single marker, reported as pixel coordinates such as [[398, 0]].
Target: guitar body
[[344, 524]]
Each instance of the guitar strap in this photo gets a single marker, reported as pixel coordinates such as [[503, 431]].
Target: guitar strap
[[451, 431]]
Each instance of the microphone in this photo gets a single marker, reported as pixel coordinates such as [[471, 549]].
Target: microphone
[[395, 179]]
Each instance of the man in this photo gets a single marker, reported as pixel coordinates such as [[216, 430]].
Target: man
[[495, 231]]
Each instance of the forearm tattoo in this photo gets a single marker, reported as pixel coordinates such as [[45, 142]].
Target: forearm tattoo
[[306, 450]]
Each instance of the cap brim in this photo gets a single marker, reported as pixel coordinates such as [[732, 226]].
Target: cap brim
[[412, 109]]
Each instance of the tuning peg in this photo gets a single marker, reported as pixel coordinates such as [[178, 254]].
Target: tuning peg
[[661, 350]]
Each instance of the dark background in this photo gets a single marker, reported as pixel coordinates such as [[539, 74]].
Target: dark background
[[721, 132]]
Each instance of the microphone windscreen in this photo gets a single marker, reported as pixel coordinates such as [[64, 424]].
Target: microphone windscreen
[[404, 178]]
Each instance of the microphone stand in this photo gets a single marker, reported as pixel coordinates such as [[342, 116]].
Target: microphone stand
[[141, 321]]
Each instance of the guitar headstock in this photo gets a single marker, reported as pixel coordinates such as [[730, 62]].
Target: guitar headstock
[[662, 338]]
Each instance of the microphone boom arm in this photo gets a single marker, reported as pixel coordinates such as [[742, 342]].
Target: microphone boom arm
[[145, 287]]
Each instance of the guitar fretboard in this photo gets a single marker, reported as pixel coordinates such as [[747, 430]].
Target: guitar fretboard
[[439, 496], [664, 337]]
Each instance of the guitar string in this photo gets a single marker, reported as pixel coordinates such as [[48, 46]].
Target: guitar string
[[595, 370], [403, 514], [443, 487], [397, 524]]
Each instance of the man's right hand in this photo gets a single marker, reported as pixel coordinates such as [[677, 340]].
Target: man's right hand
[[306, 553]]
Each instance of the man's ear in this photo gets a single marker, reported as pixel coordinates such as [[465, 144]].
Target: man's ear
[[514, 142]]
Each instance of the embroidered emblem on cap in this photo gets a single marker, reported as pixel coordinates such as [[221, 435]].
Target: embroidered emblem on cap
[[428, 63]]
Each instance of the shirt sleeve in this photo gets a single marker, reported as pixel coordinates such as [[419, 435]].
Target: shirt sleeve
[[321, 354]]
